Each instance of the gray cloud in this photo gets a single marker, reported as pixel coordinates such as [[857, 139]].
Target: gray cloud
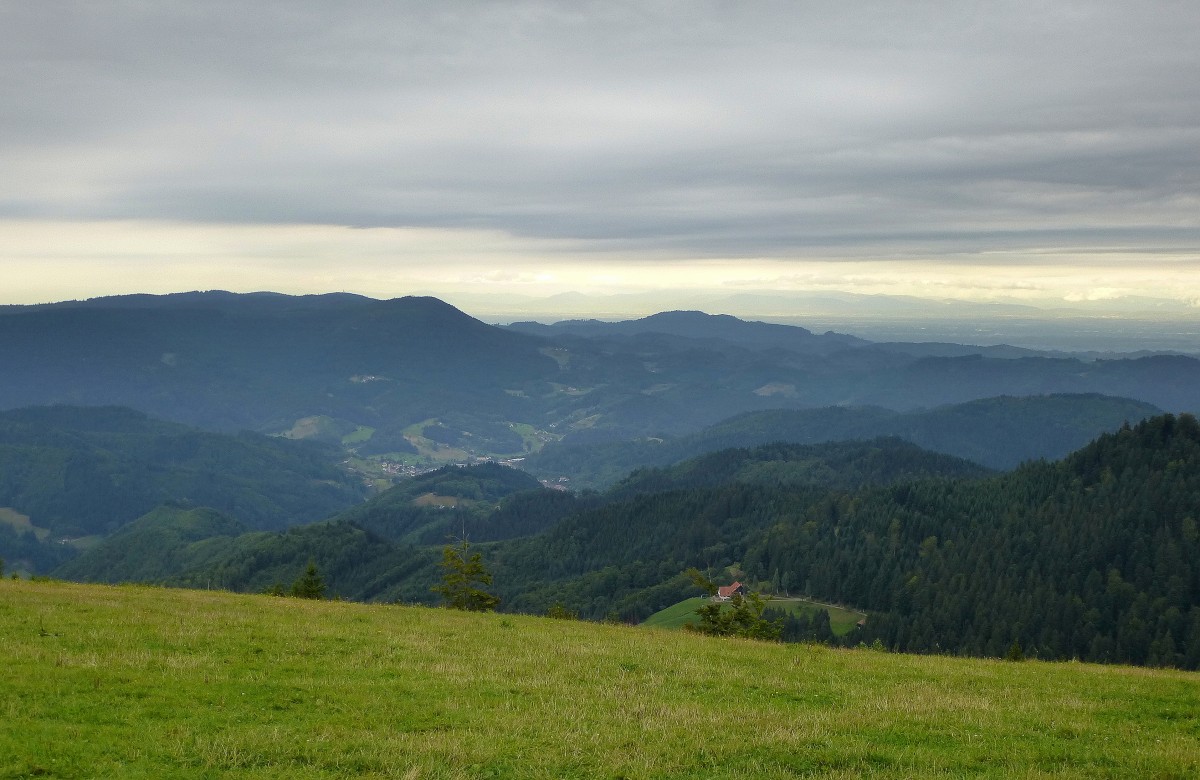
[[756, 129]]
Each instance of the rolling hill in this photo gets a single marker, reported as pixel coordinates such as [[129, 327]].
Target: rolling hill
[[152, 682], [88, 471], [1000, 433]]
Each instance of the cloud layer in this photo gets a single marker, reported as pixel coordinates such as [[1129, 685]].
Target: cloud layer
[[883, 131]]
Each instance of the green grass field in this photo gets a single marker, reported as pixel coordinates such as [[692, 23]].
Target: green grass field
[[534, 438], [359, 435], [841, 621], [676, 615], [137, 682]]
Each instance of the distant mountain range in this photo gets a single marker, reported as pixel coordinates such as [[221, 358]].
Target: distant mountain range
[[386, 373], [704, 327], [262, 361]]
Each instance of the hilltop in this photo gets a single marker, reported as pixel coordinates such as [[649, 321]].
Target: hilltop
[[146, 682]]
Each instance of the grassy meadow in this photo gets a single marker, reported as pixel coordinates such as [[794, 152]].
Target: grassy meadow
[[138, 682]]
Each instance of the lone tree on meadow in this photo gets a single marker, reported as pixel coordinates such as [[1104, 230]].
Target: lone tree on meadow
[[463, 578]]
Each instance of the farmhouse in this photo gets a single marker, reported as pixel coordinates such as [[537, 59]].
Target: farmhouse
[[726, 592]]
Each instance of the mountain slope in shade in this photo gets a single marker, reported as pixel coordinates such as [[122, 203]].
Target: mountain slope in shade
[[450, 503], [168, 538], [526, 530], [262, 361], [999, 433], [88, 471]]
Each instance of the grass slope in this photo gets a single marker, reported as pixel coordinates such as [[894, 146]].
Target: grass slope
[[136, 682]]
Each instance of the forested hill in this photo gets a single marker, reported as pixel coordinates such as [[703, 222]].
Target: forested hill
[[168, 538], [73, 472], [999, 433], [487, 503], [365, 552], [834, 465], [262, 361], [1095, 557], [484, 503], [698, 325]]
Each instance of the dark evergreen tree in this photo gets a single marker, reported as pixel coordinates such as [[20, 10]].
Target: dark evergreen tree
[[463, 575], [558, 611], [310, 585]]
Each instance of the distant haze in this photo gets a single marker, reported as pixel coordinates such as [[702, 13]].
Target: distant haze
[[1133, 325], [1015, 152]]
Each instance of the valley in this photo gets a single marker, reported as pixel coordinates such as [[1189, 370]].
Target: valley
[[591, 464], [544, 390]]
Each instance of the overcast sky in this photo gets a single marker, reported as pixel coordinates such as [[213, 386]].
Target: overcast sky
[[982, 150]]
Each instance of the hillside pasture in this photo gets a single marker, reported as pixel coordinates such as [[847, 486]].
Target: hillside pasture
[[99, 681], [359, 435], [434, 500], [841, 620]]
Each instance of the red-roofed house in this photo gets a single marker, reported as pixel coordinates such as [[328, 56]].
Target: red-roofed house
[[726, 592]]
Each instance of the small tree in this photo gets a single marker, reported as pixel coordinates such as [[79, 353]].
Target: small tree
[[463, 574], [741, 616], [310, 585], [557, 610]]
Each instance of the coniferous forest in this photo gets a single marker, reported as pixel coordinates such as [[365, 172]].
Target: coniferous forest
[[1092, 557]]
